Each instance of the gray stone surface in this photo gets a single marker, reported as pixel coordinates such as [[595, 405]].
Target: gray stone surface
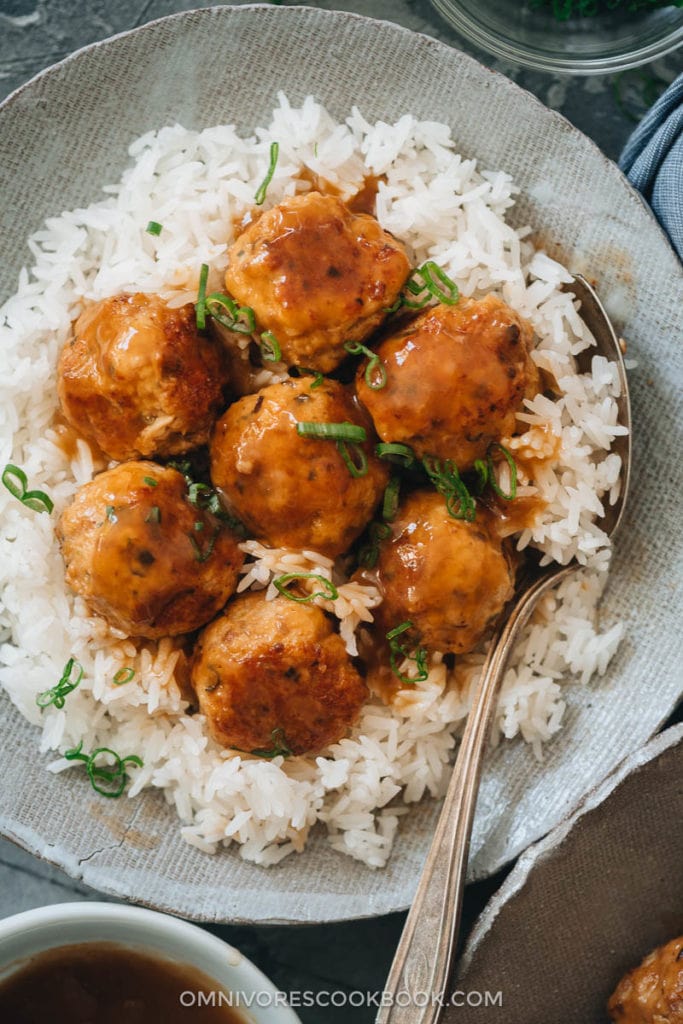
[[35, 34]]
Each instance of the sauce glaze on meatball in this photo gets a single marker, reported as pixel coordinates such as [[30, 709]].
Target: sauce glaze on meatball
[[274, 675], [450, 578], [142, 556], [288, 490], [316, 275], [138, 379], [456, 377]]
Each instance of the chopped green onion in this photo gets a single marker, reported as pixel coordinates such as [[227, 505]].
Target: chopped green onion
[[390, 501], [239, 319], [429, 282], [110, 513], [398, 653], [124, 675], [306, 371], [150, 481], [198, 525], [66, 684], [332, 431], [445, 477], [15, 481], [395, 452], [263, 187], [154, 515], [375, 364], [154, 228], [270, 347], [109, 781], [369, 552], [355, 459], [203, 555], [482, 471], [279, 747], [492, 477], [200, 306], [328, 593]]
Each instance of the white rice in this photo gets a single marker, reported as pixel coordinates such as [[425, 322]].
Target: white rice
[[196, 184]]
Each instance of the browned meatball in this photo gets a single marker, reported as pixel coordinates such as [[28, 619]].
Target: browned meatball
[[273, 676], [456, 376], [294, 491], [316, 275], [448, 577], [138, 380], [652, 993], [143, 556]]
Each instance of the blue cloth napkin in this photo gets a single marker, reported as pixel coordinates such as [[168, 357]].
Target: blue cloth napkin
[[653, 161]]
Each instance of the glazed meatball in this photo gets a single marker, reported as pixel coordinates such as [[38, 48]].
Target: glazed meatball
[[316, 275], [651, 993], [450, 578], [143, 556], [273, 676], [456, 377], [288, 490], [138, 380]]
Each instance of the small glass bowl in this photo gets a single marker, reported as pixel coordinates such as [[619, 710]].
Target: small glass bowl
[[603, 44]]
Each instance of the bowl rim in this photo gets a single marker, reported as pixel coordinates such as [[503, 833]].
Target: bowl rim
[[536, 60]]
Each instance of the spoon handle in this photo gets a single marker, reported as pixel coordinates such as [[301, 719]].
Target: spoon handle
[[417, 986]]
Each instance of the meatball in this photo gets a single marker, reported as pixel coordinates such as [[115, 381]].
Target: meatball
[[651, 993], [273, 676], [456, 376], [294, 491], [316, 275], [144, 556], [450, 578], [138, 380]]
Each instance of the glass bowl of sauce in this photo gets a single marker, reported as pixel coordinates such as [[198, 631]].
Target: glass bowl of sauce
[[79, 962]]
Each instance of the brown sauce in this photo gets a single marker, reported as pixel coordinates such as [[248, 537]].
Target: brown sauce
[[66, 438], [109, 984]]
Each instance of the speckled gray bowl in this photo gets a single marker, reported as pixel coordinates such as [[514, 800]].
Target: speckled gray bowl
[[66, 133]]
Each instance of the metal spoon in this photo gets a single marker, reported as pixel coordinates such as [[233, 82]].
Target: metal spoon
[[421, 967]]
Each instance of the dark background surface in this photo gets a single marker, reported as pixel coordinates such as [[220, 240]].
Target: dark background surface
[[356, 955]]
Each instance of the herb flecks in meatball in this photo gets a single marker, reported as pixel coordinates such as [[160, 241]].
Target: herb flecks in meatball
[[316, 275], [456, 377], [651, 993], [293, 491], [448, 577], [273, 677], [144, 556], [138, 379]]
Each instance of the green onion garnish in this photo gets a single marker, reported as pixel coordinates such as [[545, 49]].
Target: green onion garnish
[[203, 555], [124, 675], [390, 501], [279, 747], [395, 452], [332, 431], [425, 283], [200, 306], [270, 348], [154, 515], [110, 513], [306, 371], [482, 471], [15, 481], [66, 684], [108, 780], [398, 653], [150, 481], [492, 477], [154, 228], [329, 592], [355, 459], [369, 553], [375, 371], [238, 319], [445, 477], [263, 187]]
